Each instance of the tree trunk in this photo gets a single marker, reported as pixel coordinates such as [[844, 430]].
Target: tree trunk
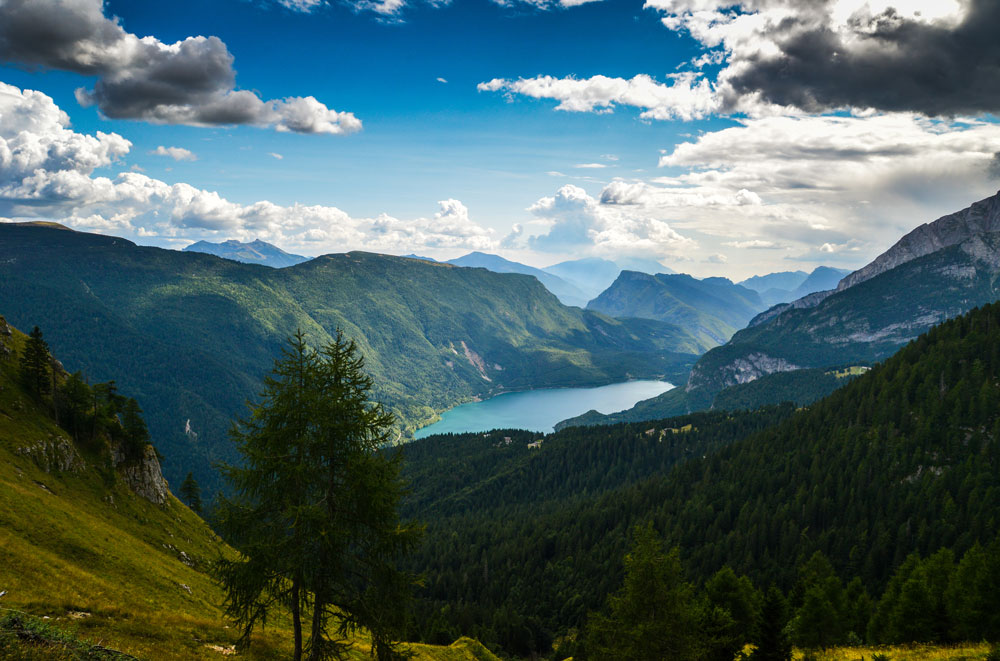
[[296, 620], [316, 635]]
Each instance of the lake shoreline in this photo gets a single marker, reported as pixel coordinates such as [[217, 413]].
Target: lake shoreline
[[539, 409]]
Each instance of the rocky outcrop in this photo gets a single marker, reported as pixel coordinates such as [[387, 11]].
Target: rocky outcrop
[[56, 454], [739, 370], [143, 477]]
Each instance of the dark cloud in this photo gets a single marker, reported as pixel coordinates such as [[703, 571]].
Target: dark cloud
[[993, 169], [891, 63], [189, 82]]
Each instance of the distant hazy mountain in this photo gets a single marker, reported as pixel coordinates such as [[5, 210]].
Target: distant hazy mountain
[[713, 309], [592, 275], [426, 259], [823, 278], [938, 271], [787, 286], [787, 280], [567, 293], [255, 252]]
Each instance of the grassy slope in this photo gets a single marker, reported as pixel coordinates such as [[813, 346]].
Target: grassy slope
[[78, 542], [190, 335]]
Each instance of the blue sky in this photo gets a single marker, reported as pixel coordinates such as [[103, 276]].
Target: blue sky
[[708, 173]]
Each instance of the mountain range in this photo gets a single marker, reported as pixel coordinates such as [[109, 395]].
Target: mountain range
[[191, 335], [786, 286], [254, 252], [938, 271], [903, 460], [714, 308], [566, 292]]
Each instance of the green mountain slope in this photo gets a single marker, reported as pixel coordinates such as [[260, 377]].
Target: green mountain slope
[[938, 271], [80, 546], [713, 308], [189, 334], [903, 459]]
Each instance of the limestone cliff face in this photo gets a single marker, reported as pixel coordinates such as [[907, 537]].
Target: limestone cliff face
[[740, 370], [143, 477], [983, 217], [980, 218]]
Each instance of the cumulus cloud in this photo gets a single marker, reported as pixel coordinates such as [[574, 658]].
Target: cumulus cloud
[[275, 155], [191, 81], [176, 153], [688, 96], [805, 182], [576, 222], [49, 171]]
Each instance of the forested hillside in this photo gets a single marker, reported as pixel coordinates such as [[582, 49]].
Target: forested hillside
[[904, 459], [190, 334], [714, 308]]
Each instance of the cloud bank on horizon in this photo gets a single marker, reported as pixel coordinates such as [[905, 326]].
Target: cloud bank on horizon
[[826, 129]]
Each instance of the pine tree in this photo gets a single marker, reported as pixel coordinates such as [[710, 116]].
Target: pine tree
[[773, 643], [35, 367], [315, 511], [191, 493], [654, 615], [135, 433]]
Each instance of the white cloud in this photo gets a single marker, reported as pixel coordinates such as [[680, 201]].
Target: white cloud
[[575, 222], [275, 155], [176, 153], [788, 56], [754, 244], [191, 81], [304, 6], [688, 96], [441, 80], [590, 166], [48, 171]]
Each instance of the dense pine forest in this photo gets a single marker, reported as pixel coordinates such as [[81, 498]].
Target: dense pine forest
[[901, 464]]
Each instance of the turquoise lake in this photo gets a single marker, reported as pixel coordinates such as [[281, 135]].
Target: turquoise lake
[[540, 410]]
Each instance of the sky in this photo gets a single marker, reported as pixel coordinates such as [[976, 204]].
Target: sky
[[719, 137]]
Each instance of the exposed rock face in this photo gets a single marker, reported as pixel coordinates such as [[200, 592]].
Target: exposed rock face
[[980, 218], [741, 370], [144, 476], [55, 454]]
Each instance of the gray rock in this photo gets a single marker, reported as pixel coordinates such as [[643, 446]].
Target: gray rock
[[982, 217], [143, 477]]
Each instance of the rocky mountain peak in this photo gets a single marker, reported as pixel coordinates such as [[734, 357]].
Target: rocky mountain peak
[[980, 218]]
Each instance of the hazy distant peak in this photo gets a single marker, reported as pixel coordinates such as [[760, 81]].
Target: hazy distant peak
[[254, 252]]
